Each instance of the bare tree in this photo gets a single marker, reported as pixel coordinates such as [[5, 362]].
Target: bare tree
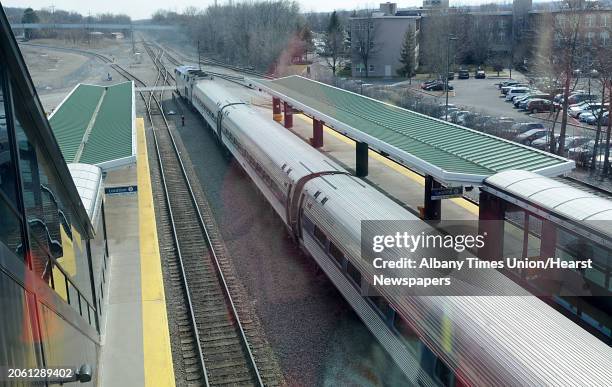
[[566, 40], [435, 31], [334, 50], [606, 166], [601, 67], [481, 39], [257, 34], [363, 40]]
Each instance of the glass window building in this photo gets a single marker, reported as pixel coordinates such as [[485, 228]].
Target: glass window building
[[51, 252]]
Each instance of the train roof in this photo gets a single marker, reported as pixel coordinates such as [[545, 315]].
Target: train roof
[[507, 336], [494, 340], [190, 70]]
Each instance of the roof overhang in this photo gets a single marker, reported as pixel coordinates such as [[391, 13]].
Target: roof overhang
[[88, 180], [398, 155], [41, 129], [576, 210]]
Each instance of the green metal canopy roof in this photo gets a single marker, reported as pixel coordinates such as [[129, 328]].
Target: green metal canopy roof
[[95, 125], [449, 152]]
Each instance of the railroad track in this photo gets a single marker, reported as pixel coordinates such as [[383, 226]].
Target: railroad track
[[214, 343], [238, 79], [213, 339]]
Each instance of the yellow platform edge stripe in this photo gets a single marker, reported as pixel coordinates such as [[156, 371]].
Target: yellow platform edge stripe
[[465, 204], [158, 367]]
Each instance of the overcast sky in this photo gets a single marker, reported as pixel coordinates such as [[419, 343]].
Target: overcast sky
[[142, 9]]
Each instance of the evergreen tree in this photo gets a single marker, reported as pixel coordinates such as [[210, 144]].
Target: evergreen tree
[[407, 56], [29, 16], [334, 50]]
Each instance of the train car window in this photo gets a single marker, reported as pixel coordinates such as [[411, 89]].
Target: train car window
[[596, 276], [353, 273], [320, 235], [316, 195], [443, 374], [324, 201], [405, 331], [381, 304], [336, 253]]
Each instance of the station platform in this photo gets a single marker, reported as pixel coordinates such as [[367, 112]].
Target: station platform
[[135, 339], [400, 183]]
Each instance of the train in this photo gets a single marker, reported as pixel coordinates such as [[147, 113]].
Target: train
[[435, 341]]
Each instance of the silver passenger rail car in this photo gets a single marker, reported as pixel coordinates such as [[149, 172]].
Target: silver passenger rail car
[[451, 341]]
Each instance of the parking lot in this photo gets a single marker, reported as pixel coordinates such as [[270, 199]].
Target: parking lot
[[483, 96]]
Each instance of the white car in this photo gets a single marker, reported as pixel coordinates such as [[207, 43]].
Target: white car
[[589, 115], [577, 109], [591, 107], [516, 91]]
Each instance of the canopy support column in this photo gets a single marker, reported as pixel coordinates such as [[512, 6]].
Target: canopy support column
[[317, 133], [491, 224], [433, 208], [288, 115], [361, 159], [276, 109]]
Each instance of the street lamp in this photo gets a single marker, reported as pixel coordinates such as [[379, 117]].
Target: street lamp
[[450, 37]]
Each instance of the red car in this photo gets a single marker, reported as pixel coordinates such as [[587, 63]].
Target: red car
[[537, 105]]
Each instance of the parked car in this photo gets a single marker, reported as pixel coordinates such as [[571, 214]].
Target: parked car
[[510, 82], [451, 75], [592, 118], [537, 105], [583, 153], [581, 97], [592, 114], [542, 143], [458, 117], [605, 120], [450, 111], [570, 142], [469, 120], [464, 74], [522, 104], [429, 83], [522, 127], [480, 74], [575, 96], [482, 122], [505, 89], [500, 126], [575, 141], [531, 135], [438, 86], [516, 91], [523, 98], [585, 107]]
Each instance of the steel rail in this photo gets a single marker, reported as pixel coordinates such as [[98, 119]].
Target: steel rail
[[129, 76], [205, 230], [214, 63]]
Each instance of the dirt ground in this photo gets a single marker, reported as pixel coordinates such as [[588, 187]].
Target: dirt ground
[[55, 73]]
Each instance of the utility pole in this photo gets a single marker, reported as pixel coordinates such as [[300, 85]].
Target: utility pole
[[132, 33], [53, 18], [199, 60], [450, 37]]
